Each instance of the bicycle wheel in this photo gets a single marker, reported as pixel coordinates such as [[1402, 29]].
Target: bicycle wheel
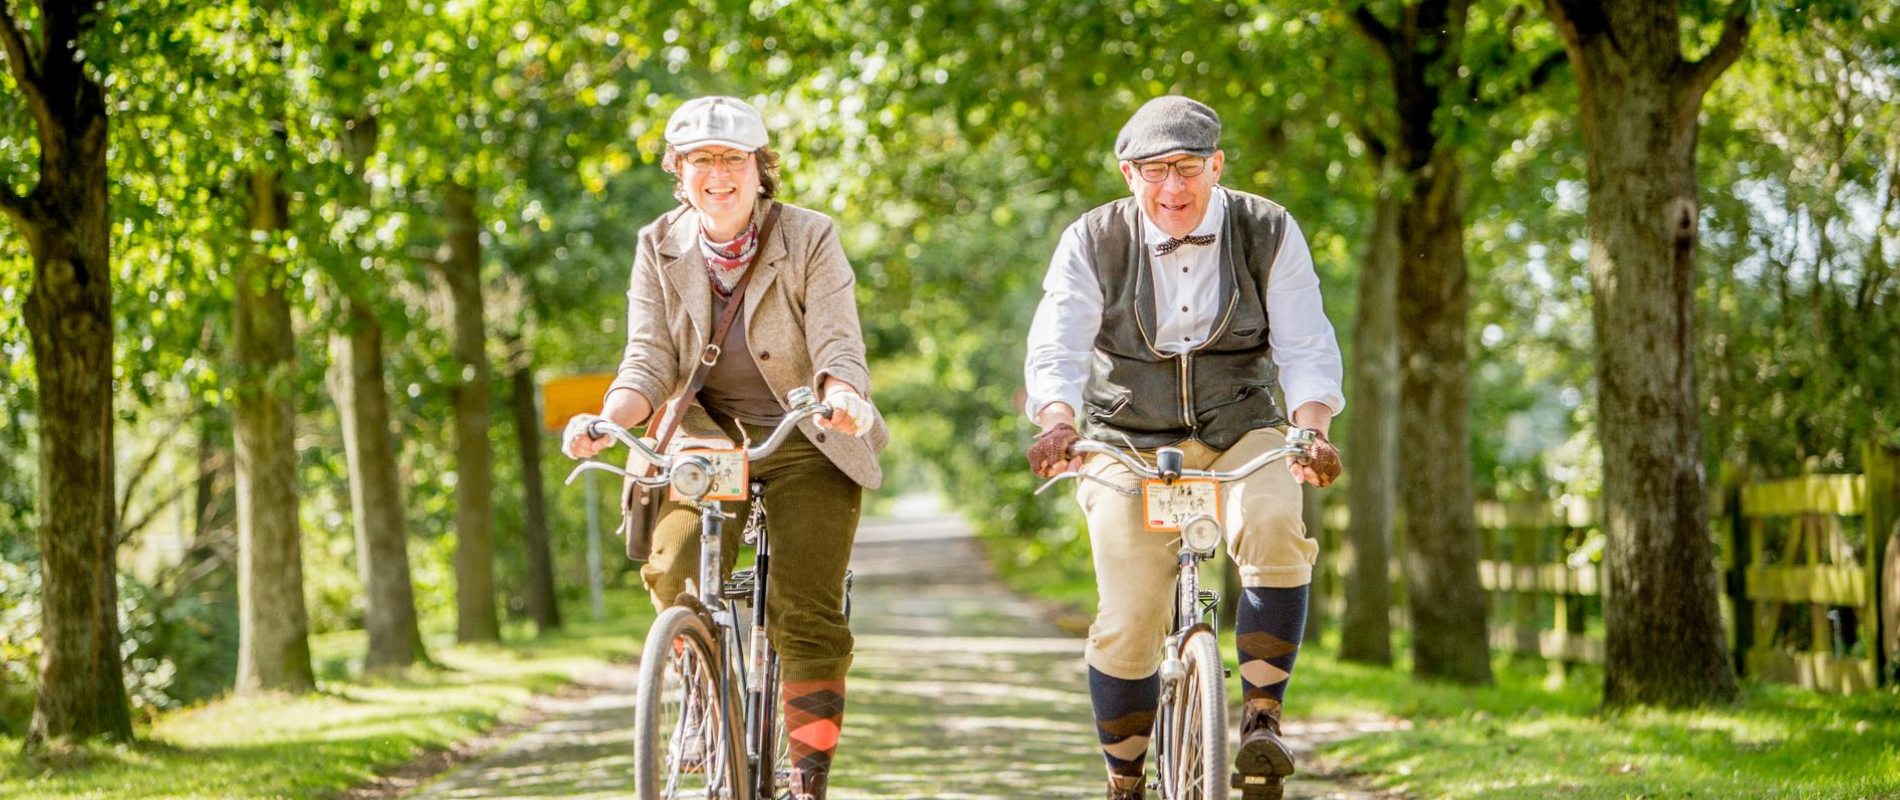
[[686, 735], [1194, 754]]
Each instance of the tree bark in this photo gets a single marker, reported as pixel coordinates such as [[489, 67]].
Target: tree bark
[[1449, 636], [273, 627], [382, 546], [1323, 587], [1640, 100], [67, 227], [1450, 639], [476, 620], [1366, 626], [357, 383], [543, 607]]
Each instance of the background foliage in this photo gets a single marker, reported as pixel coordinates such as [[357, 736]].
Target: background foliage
[[952, 141]]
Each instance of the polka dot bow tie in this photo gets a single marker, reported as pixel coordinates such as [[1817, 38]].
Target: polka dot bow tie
[[1173, 244]]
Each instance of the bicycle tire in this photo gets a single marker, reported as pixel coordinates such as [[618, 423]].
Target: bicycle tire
[[1194, 756], [681, 667]]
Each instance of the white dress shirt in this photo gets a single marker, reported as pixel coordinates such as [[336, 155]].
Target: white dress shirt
[[1187, 297]]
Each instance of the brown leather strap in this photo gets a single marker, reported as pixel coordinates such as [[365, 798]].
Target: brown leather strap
[[715, 345]]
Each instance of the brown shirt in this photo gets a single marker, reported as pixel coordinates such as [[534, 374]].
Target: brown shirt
[[734, 386]]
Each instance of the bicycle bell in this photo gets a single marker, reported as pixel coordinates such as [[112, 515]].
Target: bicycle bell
[[1201, 534], [1168, 463], [800, 397], [692, 477]]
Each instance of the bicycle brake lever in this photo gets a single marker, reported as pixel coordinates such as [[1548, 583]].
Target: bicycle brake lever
[[1057, 479], [1085, 476], [587, 465]]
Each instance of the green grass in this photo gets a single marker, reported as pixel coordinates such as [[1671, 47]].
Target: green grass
[[1531, 737], [1534, 736], [315, 745]]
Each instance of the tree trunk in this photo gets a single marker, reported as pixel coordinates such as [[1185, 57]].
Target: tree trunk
[[475, 619], [542, 604], [1449, 636], [1640, 98], [1366, 626], [1324, 586], [273, 629], [357, 383], [382, 545], [67, 228]]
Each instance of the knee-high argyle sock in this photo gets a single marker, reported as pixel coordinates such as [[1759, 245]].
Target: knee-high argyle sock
[[1124, 716], [1267, 631], [814, 716]]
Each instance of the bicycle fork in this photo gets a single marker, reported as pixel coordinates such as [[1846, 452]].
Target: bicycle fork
[[761, 682]]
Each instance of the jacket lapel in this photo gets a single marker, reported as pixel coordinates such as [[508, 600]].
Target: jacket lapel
[[770, 260], [685, 269]]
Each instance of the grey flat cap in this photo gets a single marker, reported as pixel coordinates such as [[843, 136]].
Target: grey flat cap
[[1167, 125]]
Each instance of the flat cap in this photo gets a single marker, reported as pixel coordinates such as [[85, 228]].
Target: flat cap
[[723, 121], [1167, 125]]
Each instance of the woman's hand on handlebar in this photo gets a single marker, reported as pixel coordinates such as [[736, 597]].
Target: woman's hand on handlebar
[[851, 414], [575, 441], [623, 407]]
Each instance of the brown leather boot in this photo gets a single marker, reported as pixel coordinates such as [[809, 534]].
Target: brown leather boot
[[1263, 761], [1127, 787], [807, 785]]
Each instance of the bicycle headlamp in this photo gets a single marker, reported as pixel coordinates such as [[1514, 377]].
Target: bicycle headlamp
[[692, 477], [1201, 534]]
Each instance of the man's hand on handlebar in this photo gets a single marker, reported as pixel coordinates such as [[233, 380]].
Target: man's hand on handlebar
[[1053, 451], [1321, 467]]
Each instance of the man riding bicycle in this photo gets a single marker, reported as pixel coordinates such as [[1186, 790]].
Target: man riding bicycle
[[1165, 317]]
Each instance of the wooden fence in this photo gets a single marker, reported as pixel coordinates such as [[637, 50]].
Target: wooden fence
[[1803, 560]]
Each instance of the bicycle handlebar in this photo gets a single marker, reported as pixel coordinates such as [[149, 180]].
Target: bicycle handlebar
[[1299, 442], [803, 408]]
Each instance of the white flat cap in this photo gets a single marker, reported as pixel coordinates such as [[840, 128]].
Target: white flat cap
[[723, 121]]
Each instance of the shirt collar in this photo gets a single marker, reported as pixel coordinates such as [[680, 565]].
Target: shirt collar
[[1211, 222]]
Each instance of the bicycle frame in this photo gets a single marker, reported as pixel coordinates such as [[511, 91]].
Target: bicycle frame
[[746, 669]]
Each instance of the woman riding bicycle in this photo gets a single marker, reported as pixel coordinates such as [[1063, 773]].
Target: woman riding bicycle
[[798, 326]]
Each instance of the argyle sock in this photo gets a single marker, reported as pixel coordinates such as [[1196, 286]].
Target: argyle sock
[[1124, 716], [814, 714], [1267, 633]]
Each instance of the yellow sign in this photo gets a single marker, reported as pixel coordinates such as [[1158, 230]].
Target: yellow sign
[[562, 398]]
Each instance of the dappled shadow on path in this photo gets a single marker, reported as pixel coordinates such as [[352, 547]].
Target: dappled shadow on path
[[960, 691]]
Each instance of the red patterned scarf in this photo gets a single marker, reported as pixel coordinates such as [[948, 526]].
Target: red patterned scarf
[[726, 261]]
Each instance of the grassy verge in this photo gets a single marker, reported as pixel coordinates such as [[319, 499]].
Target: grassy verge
[[318, 744], [1532, 736]]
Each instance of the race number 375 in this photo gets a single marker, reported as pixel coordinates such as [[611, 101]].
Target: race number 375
[[1170, 506]]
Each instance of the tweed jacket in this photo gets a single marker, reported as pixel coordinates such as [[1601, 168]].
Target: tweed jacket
[[801, 321]]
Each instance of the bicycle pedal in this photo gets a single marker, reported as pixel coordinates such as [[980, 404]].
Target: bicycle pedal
[[1259, 787]]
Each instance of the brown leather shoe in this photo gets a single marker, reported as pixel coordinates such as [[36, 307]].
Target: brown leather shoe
[[1263, 761], [1127, 787], [807, 785]]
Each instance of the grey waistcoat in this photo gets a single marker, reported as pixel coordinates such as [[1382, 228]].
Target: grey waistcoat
[[1216, 392]]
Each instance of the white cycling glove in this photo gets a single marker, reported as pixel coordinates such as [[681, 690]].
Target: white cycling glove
[[576, 431], [851, 404]]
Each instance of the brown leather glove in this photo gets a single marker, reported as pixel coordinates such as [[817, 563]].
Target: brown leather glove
[[1052, 447], [1324, 460]]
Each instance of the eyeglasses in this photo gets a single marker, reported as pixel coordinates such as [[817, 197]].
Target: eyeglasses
[[1157, 171], [733, 160]]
